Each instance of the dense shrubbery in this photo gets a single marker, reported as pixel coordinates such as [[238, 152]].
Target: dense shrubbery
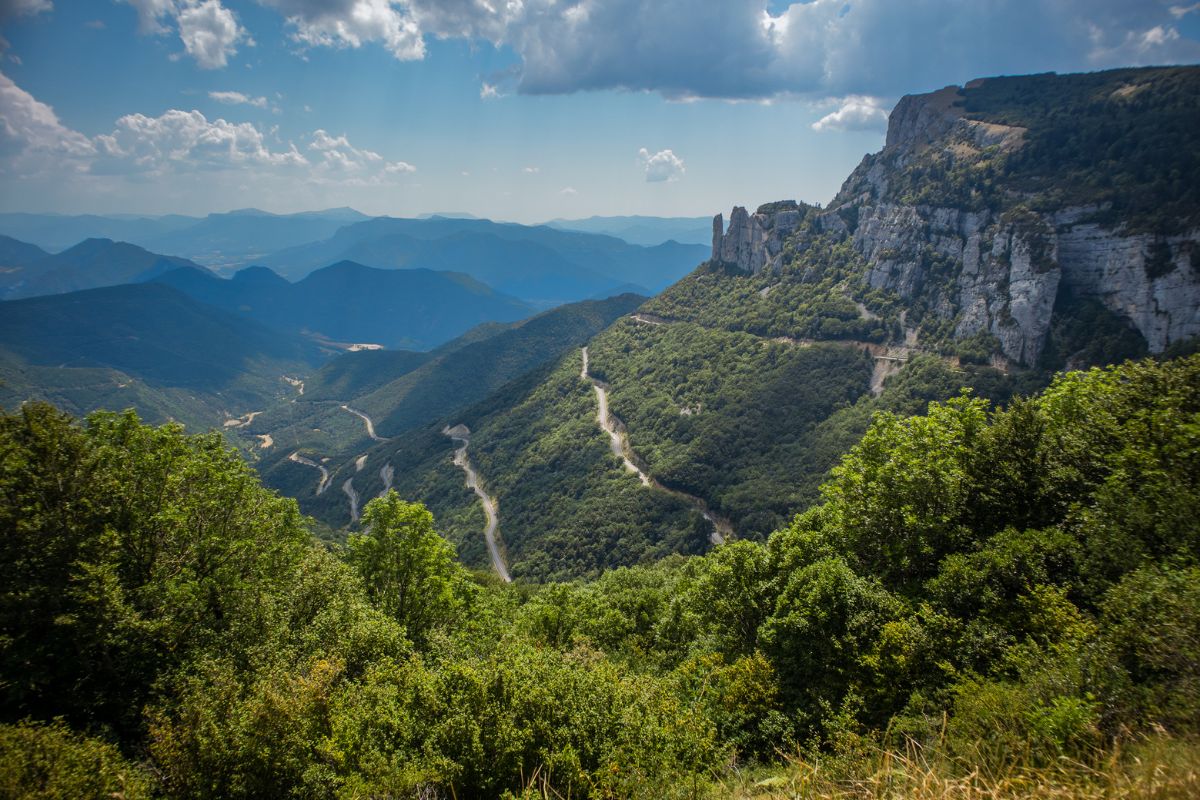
[[1013, 587]]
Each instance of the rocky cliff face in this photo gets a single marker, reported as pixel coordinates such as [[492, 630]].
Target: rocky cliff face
[[754, 242], [993, 268]]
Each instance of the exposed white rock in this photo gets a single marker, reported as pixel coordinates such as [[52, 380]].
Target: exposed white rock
[[1001, 272]]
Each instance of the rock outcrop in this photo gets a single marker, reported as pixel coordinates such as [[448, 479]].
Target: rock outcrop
[[754, 242], [985, 271]]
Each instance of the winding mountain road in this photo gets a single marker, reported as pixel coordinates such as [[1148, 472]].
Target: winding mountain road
[[619, 442], [461, 434], [367, 420], [308, 462], [348, 488]]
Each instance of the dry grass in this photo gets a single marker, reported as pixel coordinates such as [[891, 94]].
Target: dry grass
[[1152, 768]]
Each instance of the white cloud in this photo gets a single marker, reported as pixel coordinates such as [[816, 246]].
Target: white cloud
[[151, 14], [856, 113], [31, 135], [353, 23], [1178, 12], [661, 166], [488, 91], [187, 140], [531, 170], [209, 32], [237, 98], [568, 190], [16, 8], [340, 158]]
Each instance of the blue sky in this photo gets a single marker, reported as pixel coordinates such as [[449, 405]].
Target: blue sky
[[512, 109]]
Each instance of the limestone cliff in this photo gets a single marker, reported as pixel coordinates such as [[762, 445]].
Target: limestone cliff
[[956, 212]]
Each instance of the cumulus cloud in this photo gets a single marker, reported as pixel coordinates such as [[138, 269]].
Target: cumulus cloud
[[237, 98], [31, 135], [353, 23], [187, 140], [661, 166], [210, 33], [568, 190], [339, 158], [531, 170], [855, 113]]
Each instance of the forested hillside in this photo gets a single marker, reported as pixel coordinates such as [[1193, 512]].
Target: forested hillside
[[998, 600], [961, 255]]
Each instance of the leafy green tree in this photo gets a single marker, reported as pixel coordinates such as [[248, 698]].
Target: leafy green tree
[[124, 550], [51, 762], [826, 623], [410, 571], [896, 503]]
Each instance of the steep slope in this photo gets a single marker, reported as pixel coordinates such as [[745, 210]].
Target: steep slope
[[348, 303], [146, 346], [89, 265], [411, 409], [742, 384], [513, 258]]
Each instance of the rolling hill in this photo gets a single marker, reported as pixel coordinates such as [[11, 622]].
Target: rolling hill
[[145, 346]]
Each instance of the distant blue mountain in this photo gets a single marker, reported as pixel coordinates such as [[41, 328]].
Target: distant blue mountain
[[88, 265], [231, 239], [350, 303], [643, 230], [542, 265]]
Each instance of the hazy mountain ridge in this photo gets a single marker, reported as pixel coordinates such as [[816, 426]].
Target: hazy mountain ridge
[[229, 239], [641, 230], [350, 303], [91, 264], [580, 265]]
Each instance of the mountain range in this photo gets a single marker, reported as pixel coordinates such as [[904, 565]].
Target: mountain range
[[642, 230], [536, 263], [992, 242], [224, 240], [88, 265], [1008, 229], [349, 303]]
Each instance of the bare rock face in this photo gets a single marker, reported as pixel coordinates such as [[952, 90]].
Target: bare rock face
[[987, 272], [754, 242], [1010, 290], [1152, 281]]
